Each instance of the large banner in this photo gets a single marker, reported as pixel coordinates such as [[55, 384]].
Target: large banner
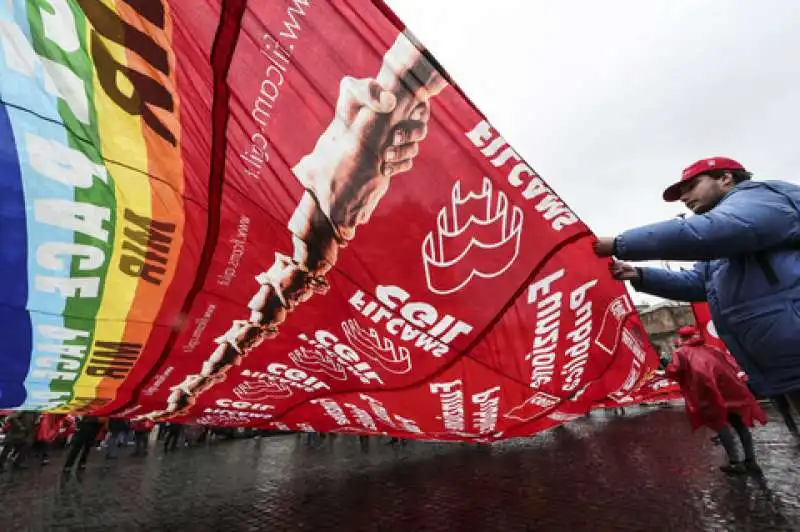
[[283, 214]]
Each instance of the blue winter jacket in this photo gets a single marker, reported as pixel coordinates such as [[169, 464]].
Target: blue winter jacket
[[752, 232]]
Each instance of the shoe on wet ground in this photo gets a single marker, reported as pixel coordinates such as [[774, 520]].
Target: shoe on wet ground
[[734, 468], [753, 468]]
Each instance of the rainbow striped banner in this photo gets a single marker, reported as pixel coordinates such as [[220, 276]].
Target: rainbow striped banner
[[92, 195]]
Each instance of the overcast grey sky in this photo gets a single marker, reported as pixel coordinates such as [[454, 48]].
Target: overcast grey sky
[[610, 100]]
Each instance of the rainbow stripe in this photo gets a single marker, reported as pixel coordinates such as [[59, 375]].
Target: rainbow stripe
[[88, 176]]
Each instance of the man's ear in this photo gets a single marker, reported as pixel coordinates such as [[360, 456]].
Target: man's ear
[[727, 180]]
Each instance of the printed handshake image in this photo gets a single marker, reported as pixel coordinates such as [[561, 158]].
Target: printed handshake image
[[285, 215]]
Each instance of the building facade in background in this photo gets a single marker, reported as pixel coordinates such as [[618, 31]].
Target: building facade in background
[[662, 321]]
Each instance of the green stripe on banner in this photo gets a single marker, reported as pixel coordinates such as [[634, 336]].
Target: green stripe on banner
[[54, 44]]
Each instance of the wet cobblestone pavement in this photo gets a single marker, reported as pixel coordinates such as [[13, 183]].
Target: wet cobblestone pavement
[[643, 471]]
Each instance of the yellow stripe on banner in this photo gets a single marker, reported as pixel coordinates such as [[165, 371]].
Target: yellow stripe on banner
[[121, 140]]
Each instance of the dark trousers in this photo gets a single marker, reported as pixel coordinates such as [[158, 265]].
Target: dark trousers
[[173, 435], [794, 400], [142, 439], [7, 448], [785, 409], [82, 444], [21, 450], [729, 443], [42, 449], [116, 438]]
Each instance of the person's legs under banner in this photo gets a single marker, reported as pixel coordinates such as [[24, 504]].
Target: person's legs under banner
[[77, 444], [4, 456], [142, 439], [781, 402], [746, 437], [734, 465]]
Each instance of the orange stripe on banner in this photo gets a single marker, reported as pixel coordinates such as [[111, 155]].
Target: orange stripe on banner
[[165, 169]]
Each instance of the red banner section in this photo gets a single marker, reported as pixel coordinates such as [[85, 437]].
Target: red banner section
[[360, 250], [702, 317], [656, 389]]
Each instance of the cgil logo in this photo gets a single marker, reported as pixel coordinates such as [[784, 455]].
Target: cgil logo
[[418, 323], [243, 405], [256, 390], [477, 236]]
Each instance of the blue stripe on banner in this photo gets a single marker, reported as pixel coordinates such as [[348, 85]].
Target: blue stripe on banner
[[27, 86], [15, 353]]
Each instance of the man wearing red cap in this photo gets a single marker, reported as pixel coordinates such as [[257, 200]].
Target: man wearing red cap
[[745, 236]]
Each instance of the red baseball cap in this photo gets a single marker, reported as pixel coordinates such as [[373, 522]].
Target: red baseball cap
[[687, 331], [673, 193]]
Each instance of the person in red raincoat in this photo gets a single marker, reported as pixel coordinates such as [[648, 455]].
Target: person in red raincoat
[[50, 428], [46, 432], [716, 397]]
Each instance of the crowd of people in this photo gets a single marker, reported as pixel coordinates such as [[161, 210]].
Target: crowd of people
[[30, 435], [28, 432]]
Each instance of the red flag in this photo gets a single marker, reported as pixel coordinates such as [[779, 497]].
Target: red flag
[[702, 316]]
